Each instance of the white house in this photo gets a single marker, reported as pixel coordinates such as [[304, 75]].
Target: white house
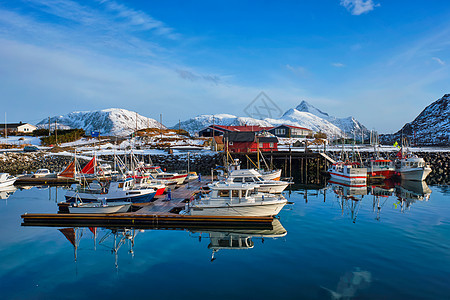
[[18, 128]]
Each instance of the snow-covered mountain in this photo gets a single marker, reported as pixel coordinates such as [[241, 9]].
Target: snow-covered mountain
[[349, 125], [112, 121], [197, 123], [430, 127], [304, 115], [308, 120]]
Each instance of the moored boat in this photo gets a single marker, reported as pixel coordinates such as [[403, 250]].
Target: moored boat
[[121, 190], [44, 173], [349, 172], [235, 199], [252, 176], [99, 207], [412, 167], [6, 179], [383, 168]]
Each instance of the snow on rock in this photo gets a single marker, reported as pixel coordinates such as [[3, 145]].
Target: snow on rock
[[198, 123], [349, 125], [112, 121], [430, 127]]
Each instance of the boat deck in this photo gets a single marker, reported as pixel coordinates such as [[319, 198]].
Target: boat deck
[[159, 213]]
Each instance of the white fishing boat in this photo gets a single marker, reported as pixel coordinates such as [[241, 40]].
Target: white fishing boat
[[7, 191], [6, 179], [252, 176], [99, 207], [158, 173], [235, 199], [271, 175], [349, 173], [191, 176], [44, 173], [121, 190], [412, 167]]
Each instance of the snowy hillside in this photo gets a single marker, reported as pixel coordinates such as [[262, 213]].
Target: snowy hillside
[[308, 120], [304, 115], [112, 121], [197, 123], [349, 125], [430, 127]]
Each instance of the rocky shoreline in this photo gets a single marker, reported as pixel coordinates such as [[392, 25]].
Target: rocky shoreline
[[19, 163]]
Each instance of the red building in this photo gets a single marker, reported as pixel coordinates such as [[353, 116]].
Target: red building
[[245, 142]]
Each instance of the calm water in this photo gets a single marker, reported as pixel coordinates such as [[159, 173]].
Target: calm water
[[329, 244]]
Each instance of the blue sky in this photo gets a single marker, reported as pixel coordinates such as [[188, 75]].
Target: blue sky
[[379, 61]]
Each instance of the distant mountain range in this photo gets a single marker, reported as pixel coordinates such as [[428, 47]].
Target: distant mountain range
[[431, 127], [112, 121], [304, 115]]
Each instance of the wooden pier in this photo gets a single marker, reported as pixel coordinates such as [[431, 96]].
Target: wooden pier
[[160, 213]]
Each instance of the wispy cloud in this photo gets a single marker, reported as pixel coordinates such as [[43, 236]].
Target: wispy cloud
[[299, 70], [189, 75], [438, 60], [338, 65], [358, 7]]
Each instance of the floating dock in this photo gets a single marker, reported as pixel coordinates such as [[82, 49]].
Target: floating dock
[[28, 180], [157, 214]]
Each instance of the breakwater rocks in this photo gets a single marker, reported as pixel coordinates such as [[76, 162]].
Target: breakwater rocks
[[19, 163]]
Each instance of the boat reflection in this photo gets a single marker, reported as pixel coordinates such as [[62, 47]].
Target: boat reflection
[[116, 238], [381, 194], [409, 192], [238, 239], [7, 191], [349, 197]]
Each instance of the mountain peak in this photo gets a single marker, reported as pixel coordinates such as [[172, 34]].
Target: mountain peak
[[306, 107]]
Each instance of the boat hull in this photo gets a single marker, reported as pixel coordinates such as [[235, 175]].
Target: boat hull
[[258, 209], [91, 208], [8, 182], [275, 175], [141, 197], [416, 174], [272, 188]]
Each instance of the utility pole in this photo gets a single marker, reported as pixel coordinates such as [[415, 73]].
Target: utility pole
[[49, 130], [213, 140], [160, 122], [6, 128], [56, 132]]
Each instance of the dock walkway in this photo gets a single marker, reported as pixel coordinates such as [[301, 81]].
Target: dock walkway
[[157, 214]]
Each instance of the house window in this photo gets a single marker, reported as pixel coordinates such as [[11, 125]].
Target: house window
[[279, 131], [261, 145], [271, 145]]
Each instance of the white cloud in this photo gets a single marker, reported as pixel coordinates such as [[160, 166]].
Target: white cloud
[[338, 65], [439, 61], [358, 7], [297, 70]]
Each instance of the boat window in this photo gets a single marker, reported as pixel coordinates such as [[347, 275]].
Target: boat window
[[238, 179], [120, 185], [259, 179], [249, 179], [235, 193], [224, 193]]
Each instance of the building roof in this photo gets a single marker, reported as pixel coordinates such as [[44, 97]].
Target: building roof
[[290, 126], [14, 125], [245, 128]]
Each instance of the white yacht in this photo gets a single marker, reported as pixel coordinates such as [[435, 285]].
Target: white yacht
[[122, 190], [412, 168], [254, 177], [99, 207], [6, 179], [44, 173], [235, 199]]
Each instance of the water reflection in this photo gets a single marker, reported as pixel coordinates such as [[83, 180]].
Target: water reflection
[[349, 197], [238, 239], [114, 239], [409, 192], [7, 191]]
